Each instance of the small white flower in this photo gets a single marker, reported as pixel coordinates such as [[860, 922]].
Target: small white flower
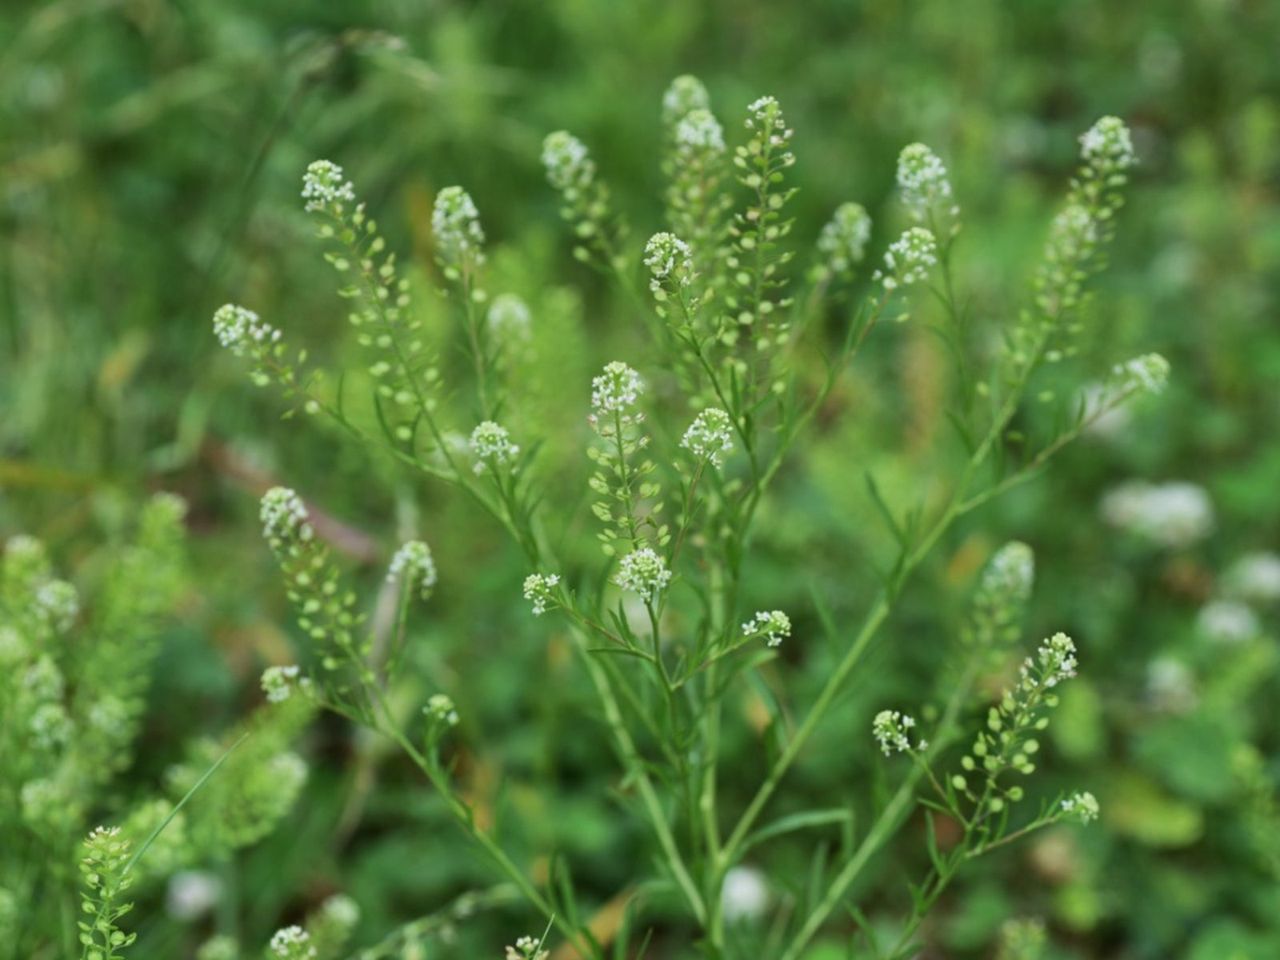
[[292, 943], [341, 911], [289, 772], [1228, 621], [509, 318], [616, 390], [1081, 805], [440, 709], [773, 625], [669, 261], [58, 603], [1255, 577], [491, 446], [745, 894], [540, 589], [843, 240], [279, 683], [686, 93], [568, 164], [699, 132], [1056, 659], [284, 518], [1106, 419], [908, 259], [1170, 514], [643, 572], [192, 893], [239, 329], [1148, 373], [892, 731], [1107, 146], [324, 185], [1011, 571], [710, 436], [456, 225], [415, 562], [527, 948], [922, 178], [1170, 685]]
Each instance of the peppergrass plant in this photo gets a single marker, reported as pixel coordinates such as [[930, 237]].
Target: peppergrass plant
[[687, 438], [74, 672]]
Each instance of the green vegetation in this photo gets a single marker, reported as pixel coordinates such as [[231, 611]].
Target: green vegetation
[[790, 531]]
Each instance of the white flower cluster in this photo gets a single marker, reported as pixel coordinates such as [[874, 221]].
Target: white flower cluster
[[1228, 622], [284, 518], [280, 683], [288, 771], [616, 390], [1148, 373], [491, 446], [415, 562], [685, 94], [908, 259], [568, 164], [57, 603], [773, 625], [325, 185], [239, 329], [540, 589], [1082, 805], [764, 116], [509, 318], [669, 260], [455, 221], [1170, 686], [1107, 146], [1171, 515], [922, 178], [843, 240], [699, 132], [1011, 571], [710, 436], [440, 710], [1255, 577], [292, 943], [340, 911], [527, 948], [892, 731], [644, 573], [1056, 660], [745, 893], [192, 893]]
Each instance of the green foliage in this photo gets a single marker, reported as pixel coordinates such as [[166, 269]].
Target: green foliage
[[150, 158]]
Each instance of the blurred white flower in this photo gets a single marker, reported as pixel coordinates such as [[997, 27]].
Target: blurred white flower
[[1170, 686], [745, 894], [1255, 577], [191, 894], [1227, 621], [1168, 514]]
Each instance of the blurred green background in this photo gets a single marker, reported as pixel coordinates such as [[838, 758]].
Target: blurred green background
[[150, 162]]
